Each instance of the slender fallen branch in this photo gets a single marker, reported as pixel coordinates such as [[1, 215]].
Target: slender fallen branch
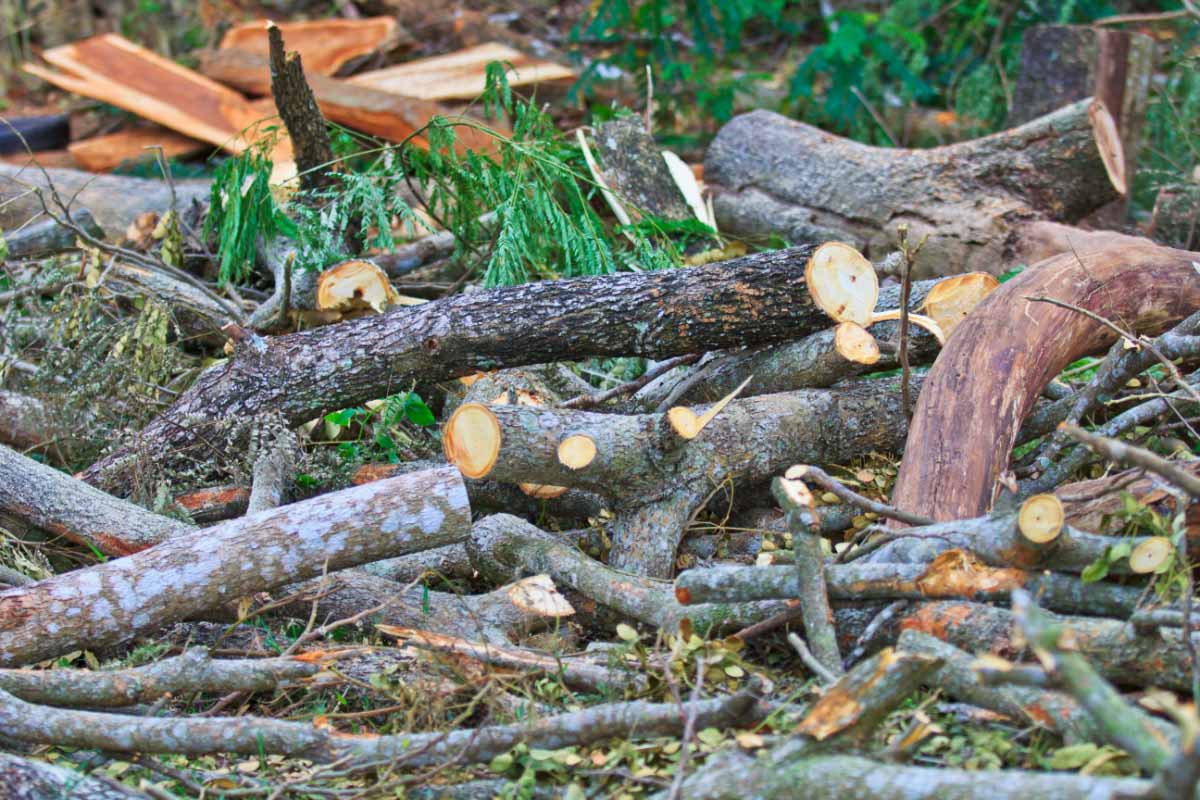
[[1133, 456], [1125, 726], [193, 671], [251, 735]]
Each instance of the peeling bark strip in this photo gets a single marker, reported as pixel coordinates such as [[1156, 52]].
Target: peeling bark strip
[[990, 374], [776, 175], [193, 572], [252, 735], [757, 299]]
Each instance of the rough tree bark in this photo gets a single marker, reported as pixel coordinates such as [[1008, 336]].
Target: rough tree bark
[[652, 474], [990, 374], [773, 175], [753, 300], [200, 570]]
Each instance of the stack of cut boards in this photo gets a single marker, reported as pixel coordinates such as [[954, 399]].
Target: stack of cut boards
[[196, 112]]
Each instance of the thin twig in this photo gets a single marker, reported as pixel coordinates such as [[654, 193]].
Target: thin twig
[[848, 495], [1130, 455], [590, 400], [816, 667]]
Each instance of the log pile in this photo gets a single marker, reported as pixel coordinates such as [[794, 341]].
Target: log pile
[[760, 490]]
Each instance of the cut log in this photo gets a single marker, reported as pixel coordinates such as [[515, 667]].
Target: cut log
[[113, 201], [1061, 64], [117, 71], [989, 376], [1151, 555], [104, 153], [773, 175], [651, 474], [1041, 518], [752, 300], [812, 362], [200, 570], [325, 45], [460, 75], [1118, 650], [41, 496], [388, 115]]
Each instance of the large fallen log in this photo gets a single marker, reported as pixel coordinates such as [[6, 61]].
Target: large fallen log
[[200, 570], [990, 374], [773, 175], [752, 300]]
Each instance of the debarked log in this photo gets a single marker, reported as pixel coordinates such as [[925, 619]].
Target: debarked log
[[197, 571], [753, 300], [773, 175], [655, 468], [954, 573], [990, 374]]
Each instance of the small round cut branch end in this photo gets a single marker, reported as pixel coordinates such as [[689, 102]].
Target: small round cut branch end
[[355, 285], [853, 343], [576, 451], [1151, 555], [1041, 518], [842, 283], [471, 440]]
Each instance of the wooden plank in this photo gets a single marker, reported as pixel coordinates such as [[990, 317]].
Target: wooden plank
[[324, 45], [460, 75], [121, 73], [105, 153], [379, 113]]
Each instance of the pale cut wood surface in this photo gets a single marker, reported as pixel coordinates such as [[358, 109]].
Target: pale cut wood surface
[[324, 45], [460, 75], [103, 153]]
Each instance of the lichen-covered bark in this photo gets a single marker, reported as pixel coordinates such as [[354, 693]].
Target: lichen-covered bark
[[30, 779], [193, 671], [752, 300], [991, 372], [114, 201], [635, 170], [773, 175], [200, 570], [56, 503]]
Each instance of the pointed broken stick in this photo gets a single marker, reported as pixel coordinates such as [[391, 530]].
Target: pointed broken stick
[[685, 422]]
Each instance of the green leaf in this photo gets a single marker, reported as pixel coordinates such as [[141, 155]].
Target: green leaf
[[627, 633], [343, 417], [416, 411], [1073, 757]]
